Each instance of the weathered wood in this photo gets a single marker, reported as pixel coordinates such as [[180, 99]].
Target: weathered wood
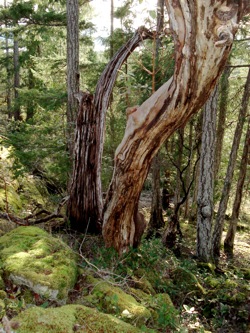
[[85, 207], [203, 37]]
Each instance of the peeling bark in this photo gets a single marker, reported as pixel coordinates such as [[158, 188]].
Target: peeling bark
[[199, 62]]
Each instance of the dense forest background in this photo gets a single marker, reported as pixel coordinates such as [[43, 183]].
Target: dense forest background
[[34, 119], [34, 122]]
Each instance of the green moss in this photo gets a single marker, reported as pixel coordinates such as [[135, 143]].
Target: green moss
[[33, 258], [230, 284], [212, 282], [14, 201], [3, 294], [143, 279], [2, 308], [112, 299], [69, 319], [187, 281], [2, 285], [207, 265]]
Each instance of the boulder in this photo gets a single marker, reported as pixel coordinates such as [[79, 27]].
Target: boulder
[[29, 256], [112, 299]]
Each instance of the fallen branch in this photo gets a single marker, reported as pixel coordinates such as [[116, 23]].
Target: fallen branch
[[33, 219]]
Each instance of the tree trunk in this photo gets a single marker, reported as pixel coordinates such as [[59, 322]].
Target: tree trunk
[[17, 110], [218, 229], [224, 91], [199, 62], [178, 166], [156, 216], [206, 180], [229, 240], [189, 169], [73, 75], [84, 208], [8, 71]]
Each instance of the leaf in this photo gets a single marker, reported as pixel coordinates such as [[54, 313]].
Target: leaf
[[152, 14], [45, 305]]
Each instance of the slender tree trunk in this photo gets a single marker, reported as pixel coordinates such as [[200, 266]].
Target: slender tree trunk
[[111, 29], [218, 229], [200, 60], [156, 216], [189, 169], [17, 110], [224, 91], [84, 208], [206, 180], [178, 184], [8, 72], [73, 75], [198, 131], [229, 240]]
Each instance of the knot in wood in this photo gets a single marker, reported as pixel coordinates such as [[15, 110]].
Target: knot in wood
[[226, 13], [206, 211]]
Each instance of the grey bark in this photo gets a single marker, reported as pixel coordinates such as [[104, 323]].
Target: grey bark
[[73, 75], [224, 91], [206, 180], [17, 110], [218, 229]]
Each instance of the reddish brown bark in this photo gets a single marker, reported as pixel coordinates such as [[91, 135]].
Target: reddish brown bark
[[203, 32]]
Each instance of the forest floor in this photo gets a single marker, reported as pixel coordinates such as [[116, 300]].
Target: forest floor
[[206, 300]]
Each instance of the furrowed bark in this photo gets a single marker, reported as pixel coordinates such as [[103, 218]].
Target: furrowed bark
[[203, 37], [206, 180], [85, 207]]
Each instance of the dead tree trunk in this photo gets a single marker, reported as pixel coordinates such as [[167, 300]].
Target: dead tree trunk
[[203, 32], [84, 208], [229, 240]]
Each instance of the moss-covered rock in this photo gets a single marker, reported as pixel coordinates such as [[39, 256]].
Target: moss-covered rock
[[187, 281], [69, 319], [6, 226], [111, 299], [33, 258]]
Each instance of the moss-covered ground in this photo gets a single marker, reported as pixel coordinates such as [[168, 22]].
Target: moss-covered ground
[[146, 290]]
